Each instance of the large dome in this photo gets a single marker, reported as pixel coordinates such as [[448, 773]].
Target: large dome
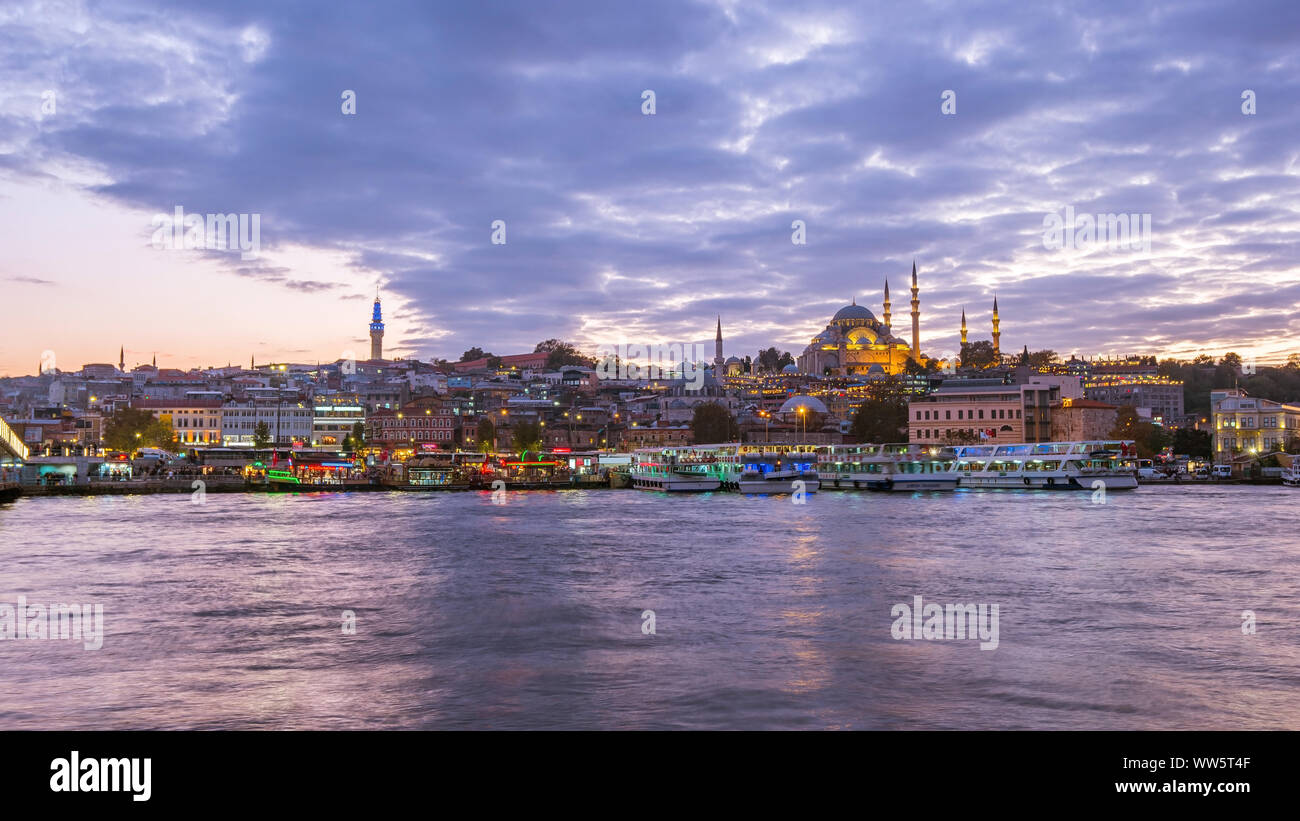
[[850, 312], [812, 403]]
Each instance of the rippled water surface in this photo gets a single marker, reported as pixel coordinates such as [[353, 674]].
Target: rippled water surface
[[228, 614]]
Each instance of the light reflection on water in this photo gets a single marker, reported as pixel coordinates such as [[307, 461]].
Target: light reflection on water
[[768, 614]]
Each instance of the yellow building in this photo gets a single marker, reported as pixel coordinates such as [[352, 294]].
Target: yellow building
[[1245, 424]]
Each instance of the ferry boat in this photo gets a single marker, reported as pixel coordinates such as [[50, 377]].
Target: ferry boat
[[898, 467], [1047, 465], [276, 476], [1290, 469], [748, 467], [657, 469]]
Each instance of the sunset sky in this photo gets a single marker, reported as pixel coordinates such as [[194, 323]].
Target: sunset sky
[[623, 226]]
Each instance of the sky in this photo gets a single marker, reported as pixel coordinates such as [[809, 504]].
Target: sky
[[944, 133]]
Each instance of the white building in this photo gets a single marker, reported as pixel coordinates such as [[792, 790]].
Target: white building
[[293, 420]]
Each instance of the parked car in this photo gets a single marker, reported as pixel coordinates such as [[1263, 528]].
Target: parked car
[[1222, 472]]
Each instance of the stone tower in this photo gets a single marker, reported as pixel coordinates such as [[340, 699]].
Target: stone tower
[[377, 331]]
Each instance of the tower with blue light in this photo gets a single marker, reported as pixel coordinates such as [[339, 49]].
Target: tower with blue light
[[376, 331]]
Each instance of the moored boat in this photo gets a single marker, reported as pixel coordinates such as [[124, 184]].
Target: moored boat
[[747, 467], [895, 467], [1048, 465], [655, 469]]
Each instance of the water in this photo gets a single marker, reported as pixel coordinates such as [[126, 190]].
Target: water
[[228, 614]]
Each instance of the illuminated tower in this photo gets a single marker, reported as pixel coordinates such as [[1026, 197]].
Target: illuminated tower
[[887, 314], [377, 331], [916, 316], [717, 347], [963, 325], [997, 335]]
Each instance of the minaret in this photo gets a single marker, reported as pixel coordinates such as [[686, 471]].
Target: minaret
[[963, 325], [376, 331], [997, 335], [121, 359], [717, 347], [887, 314], [916, 316]]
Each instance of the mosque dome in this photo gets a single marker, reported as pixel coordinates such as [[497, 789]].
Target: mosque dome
[[853, 313], [801, 401], [791, 368]]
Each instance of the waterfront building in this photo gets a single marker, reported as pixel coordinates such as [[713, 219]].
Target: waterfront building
[[1247, 424], [196, 420], [1078, 419], [985, 409], [333, 419], [289, 422], [425, 423]]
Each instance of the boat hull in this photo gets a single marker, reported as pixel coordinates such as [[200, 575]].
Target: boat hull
[[775, 485], [902, 482], [673, 484], [1050, 481]]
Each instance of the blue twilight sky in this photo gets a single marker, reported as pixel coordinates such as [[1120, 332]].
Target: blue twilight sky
[[622, 226]]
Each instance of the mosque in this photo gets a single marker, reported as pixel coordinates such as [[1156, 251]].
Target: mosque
[[856, 343]]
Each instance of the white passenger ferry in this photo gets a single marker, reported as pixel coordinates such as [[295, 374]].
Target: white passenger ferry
[[656, 469], [1047, 465], [899, 467], [746, 467]]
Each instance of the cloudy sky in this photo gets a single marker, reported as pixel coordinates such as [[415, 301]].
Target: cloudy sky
[[627, 226]]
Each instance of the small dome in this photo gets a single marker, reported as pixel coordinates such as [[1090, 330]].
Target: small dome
[[791, 368], [734, 360], [852, 312], [800, 401]]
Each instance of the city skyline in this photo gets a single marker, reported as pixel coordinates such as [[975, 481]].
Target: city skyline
[[621, 224]]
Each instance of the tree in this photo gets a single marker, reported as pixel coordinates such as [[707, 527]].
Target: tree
[[1149, 438], [712, 423], [472, 354], [978, 354], [261, 435], [882, 416], [131, 428], [355, 440], [559, 354], [527, 437], [1193, 443], [493, 362], [486, 435], [1232, 360], [1043, 359], [770, 359], [960, 437]]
